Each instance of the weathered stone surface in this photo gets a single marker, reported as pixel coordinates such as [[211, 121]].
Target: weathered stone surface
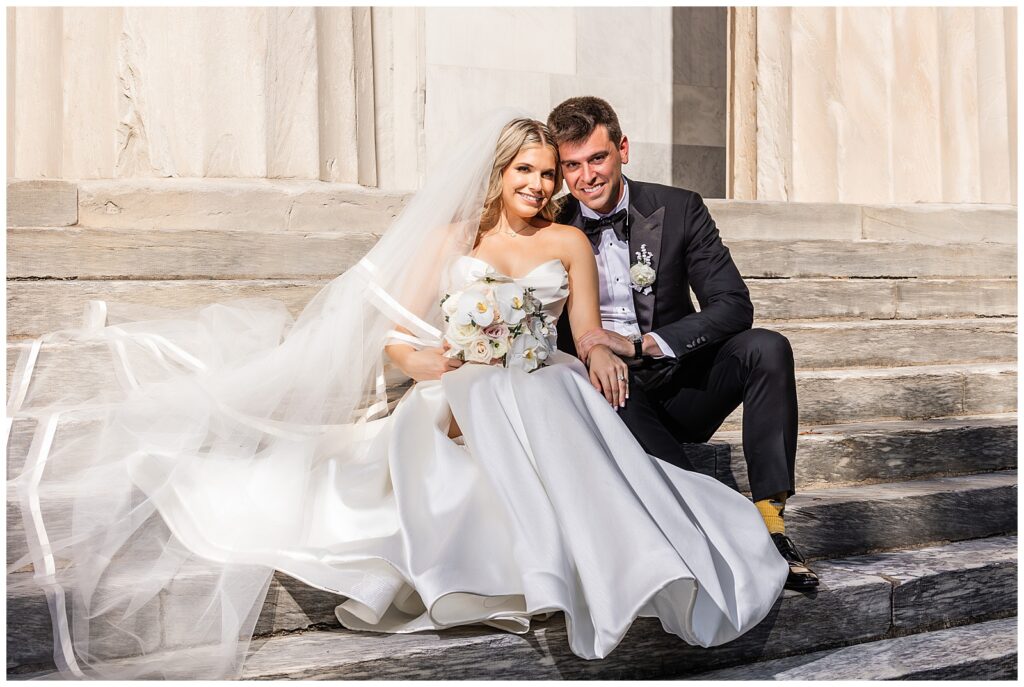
[[991, 389], [852, 605], [239, 204], [70, 431], [289, 606], [795, 299], [37, 307], [776, 220], [900, 393], [945, 584], [835, 455], [154, 254], [30, 637], [872, 259], [941, 223], [847, 607], [29, 632], [41, 203], [921, 298], [896, 343], [859, 519], [223, 254], [983, 651]]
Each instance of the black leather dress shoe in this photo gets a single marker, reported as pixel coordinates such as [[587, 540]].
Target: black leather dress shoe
[[801, 578]]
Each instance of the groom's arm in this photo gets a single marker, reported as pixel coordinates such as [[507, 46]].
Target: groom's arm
[[725, 307]]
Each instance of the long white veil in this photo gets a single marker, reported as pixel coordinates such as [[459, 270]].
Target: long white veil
[[204, 396]]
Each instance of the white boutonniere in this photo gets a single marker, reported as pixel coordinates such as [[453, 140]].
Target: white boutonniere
[[641, 273]]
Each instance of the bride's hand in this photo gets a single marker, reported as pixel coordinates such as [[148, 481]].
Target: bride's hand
[[609, 375], [428, 364]]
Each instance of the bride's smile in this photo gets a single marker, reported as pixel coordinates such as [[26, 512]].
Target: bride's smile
[[528, 183]]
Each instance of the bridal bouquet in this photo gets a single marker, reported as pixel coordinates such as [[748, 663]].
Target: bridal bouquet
[[494, 319]]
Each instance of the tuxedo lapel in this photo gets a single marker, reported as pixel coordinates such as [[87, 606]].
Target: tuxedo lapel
[[571, 213], [645, 230]]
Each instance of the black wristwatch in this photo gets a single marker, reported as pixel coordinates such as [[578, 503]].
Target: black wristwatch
[[638, 348]]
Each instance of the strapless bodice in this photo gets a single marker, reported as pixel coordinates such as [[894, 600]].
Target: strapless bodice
[[549, 280]]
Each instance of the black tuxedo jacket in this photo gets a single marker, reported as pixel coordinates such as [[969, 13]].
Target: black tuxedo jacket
[[687, 251]]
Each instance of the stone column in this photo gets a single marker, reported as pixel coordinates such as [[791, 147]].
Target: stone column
[[35, 92], [741, 114], [875, 105]]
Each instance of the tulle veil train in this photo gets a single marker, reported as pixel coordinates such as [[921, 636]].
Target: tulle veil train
[[197, 390]]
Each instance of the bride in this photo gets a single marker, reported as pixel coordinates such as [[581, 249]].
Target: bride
[[241, 443]]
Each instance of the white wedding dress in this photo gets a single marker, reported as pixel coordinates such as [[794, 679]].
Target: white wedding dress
[[549, 504]]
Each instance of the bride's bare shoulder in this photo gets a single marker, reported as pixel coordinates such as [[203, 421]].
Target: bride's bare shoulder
[[570, 243]]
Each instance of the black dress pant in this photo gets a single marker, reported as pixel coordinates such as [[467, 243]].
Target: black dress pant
[[755, 368]]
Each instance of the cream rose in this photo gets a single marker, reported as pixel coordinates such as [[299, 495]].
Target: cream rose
[[462, 335], [499, 347], [479, 350]]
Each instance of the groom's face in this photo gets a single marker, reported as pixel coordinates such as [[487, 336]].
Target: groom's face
[[593, 169]]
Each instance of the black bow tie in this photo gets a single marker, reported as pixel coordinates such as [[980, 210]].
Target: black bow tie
[[618, 221]]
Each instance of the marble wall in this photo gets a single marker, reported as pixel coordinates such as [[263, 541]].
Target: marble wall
[[360, 95], [306, 93], [874, 105], [860, 105], [534, 58]]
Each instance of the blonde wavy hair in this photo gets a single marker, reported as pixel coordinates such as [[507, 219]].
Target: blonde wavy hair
[[517, 134]]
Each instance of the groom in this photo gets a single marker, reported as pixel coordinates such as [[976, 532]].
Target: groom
[[689, 370]]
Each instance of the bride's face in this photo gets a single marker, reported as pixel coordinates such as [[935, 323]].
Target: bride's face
[[528, 183]]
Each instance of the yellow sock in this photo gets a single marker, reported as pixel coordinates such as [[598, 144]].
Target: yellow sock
[[771, 510]]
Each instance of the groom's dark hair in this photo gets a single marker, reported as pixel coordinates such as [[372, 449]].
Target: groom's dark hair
[[575, 119]]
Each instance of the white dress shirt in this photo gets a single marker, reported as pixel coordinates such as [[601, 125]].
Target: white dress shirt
[[612, 254]]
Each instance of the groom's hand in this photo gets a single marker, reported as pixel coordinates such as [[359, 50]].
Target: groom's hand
[[616, 342]]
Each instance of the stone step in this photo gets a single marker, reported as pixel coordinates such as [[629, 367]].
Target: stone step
[[36, 306], [917, 223], [77, 252], [898, 343], [825, 397], [308, 205], [252, 205], [845, 521], [892, 343], [882, 299], [981, 651], [827, 522], [41, 202], [829, 453], [917, 392], [871, 452], [860, 599]]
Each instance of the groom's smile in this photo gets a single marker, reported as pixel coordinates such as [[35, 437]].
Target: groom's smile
[[593, 169]]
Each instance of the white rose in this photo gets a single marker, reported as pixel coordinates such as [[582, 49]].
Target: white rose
[[450, 305], [499, 347], [641, 274], [479, 350], [461, 335]]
